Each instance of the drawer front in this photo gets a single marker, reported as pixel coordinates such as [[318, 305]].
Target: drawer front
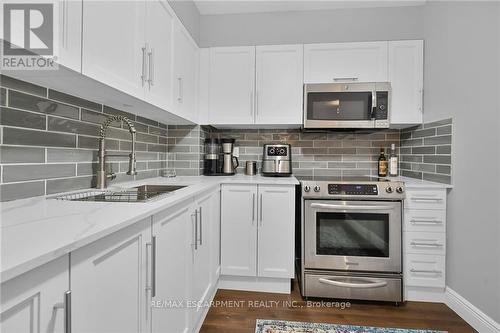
[[426, 199], [425, 243], [424, 270], [425, 220], [353, 287]]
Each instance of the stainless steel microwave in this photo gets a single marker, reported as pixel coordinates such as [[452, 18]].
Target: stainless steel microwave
[[347, 105]]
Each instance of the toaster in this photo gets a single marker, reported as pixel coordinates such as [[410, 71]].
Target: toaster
[[277, 160]]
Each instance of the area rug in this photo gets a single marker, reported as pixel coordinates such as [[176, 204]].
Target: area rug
[[281, 326]]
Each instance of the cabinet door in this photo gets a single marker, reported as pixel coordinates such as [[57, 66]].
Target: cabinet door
[[185, 73], [232, 85], [29, 302], [276, 231], [406, 74], [70, 34], [202, 253], [160, 28], [108, 282], [279, 84], [112, 50], [344, 62], [238, 230], [171, 230], [215, 231]]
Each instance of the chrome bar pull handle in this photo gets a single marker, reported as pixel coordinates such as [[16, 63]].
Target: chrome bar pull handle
[[196, 229], [425, 221], [253, 208], [421, 244], [251, 103], [153, 266], [201, 227], [426, 271], [143, 74], [150, 68], [179, 97], [66, 305], [261, 209], [336, 79]]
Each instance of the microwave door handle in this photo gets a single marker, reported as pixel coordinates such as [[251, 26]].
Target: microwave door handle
[[374, 104]]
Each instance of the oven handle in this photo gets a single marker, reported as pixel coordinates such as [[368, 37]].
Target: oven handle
[[371, 283], [349, 207]]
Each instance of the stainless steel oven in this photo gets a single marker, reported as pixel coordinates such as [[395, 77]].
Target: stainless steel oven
[[353, 235], [347, 105], [352, 239]]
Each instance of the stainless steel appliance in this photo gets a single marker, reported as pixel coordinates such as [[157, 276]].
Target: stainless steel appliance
[[230, 162], [347, 105], [277, 160], [351, 239]]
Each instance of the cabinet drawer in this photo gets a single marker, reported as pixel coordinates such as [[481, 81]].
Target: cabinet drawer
[[425, 243], [424, 270], [424, 220], [426, 199]]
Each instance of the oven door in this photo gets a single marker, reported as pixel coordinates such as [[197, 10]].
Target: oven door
[[352, 235]]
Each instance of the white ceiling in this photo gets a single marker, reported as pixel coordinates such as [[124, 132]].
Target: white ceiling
[[210, 7]]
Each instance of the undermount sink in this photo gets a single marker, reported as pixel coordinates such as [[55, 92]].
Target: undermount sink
[[140, 193]]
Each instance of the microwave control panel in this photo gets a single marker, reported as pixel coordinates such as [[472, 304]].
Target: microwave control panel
[[352, 189], [382, 105]]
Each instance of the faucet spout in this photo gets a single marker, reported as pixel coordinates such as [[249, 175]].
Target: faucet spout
[[102, 175]]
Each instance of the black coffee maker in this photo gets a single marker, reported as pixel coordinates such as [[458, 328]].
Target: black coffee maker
[[218, 159], [213, 158]]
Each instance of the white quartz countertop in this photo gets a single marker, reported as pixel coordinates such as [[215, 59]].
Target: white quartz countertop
[[417, 183], [37, 230]]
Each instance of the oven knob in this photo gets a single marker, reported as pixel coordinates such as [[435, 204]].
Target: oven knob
[[316, 188], [388, 189], [307, 188], [399, 189]]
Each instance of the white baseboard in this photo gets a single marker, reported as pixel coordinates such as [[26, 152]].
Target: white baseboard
[[471, 314]]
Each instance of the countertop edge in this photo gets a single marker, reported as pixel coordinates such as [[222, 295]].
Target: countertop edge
[[26, 266]]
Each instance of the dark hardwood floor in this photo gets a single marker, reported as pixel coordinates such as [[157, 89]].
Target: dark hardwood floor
[[241, 309]]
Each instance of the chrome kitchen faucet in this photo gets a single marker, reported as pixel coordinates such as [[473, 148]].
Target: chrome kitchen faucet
[[102, 175]]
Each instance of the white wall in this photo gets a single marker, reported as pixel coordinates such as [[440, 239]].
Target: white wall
[[367, 24], [462, 74]]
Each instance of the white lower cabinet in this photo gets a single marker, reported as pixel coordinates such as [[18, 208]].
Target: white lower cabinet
[[109, 282], [424, 239], [257, 230], [34, 301], [172, 269]]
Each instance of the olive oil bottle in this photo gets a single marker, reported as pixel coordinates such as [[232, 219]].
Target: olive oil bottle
[[382, 164]]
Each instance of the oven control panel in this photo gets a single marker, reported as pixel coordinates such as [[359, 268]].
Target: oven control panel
[[352, 189]]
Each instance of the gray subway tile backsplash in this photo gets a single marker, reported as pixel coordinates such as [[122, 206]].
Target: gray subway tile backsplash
[[25, 137], [67, 149], [17, 118], [431, 159], [17, 173], [38, 104], [63, 156], [73, 100], [3, 96]]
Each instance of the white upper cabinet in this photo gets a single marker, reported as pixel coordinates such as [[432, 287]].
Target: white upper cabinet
[[115, 53], [345, 62], [279, 81], [70, 34], [406, 71], [159, 53], [185, 73], [232, 85]]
